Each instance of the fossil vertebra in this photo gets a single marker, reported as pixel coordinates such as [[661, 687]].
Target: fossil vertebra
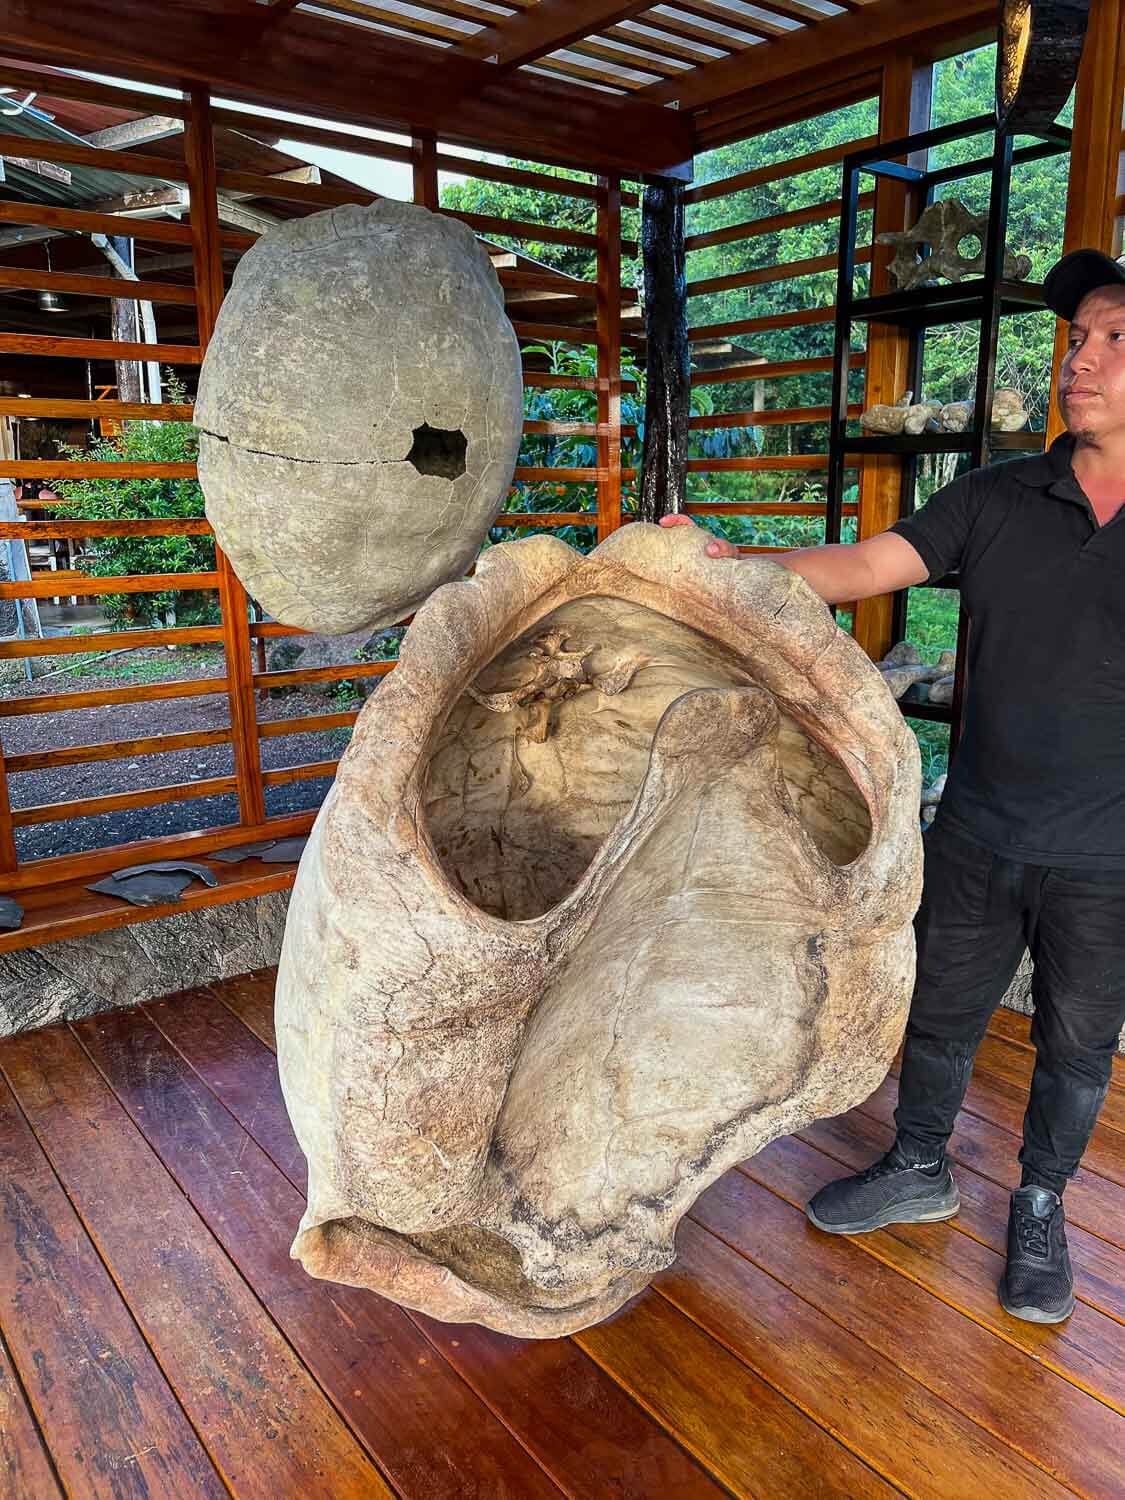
[[943, 227]]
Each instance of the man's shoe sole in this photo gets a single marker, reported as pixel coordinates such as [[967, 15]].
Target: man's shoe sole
[[924, 1211], [1034, 1314]]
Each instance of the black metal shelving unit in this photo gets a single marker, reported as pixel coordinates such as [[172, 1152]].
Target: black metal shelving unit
[[985, 300]]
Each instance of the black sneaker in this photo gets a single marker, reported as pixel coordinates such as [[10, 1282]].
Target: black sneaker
[[895, 1190], [1038, 1284]]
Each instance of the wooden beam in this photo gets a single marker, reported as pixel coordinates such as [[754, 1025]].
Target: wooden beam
[[132, 133], [663, 487], [773, 106], [200, 153], [836, 43], [315, 66], [31, 278], [519, 39]]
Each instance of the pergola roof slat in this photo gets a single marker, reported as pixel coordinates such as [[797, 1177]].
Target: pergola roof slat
[[309, 64]]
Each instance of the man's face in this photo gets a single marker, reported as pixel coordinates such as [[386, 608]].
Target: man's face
[[1092, 378]]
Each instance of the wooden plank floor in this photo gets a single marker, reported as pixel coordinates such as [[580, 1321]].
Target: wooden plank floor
[[157, 1340]]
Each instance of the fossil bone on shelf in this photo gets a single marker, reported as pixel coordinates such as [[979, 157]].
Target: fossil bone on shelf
[[360, 412], [614, 886]]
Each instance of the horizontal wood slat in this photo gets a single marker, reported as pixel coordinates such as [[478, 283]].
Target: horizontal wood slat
[[30, 278], [541, 380], [547, 518], [767, 370], [154, 744], [814, 213], [562, 429], [130, 163], [43, 879], [73, 86], [122, 640], [317, 195], [806, 317], [55, 468], [521, 229], [101, 411], [777, 172], [83, 221], [788, 271], [61, 527], [139, 692], [302, 675], [312, 771], [138, 583], [66, 911], [772, 417], [557, 474], [152, 796], [271, 130], [489, 171], [557, 333], [274, 729], [768, 462], [46, 346], [760, 508], [264, 630]]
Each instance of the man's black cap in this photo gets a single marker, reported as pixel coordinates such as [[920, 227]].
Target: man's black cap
[[1076, 275]]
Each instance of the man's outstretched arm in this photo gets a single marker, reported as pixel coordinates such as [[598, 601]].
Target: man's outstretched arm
[[843, 571]]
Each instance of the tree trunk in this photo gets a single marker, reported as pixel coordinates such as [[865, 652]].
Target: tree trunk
[[663, 486]]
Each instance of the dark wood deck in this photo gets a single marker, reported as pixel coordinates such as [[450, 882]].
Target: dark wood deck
[[159, 1342]]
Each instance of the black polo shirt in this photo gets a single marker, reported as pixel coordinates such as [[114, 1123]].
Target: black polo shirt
[[1040, 773]]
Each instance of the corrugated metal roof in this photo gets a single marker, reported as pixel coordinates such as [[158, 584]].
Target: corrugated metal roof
[[66, 186]]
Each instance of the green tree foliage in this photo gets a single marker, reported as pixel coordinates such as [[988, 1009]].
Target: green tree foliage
[[566, 450], [500, 200], [145, 499]]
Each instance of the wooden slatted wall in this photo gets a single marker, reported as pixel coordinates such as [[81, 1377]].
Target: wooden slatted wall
[[597, 489], [736, 349]]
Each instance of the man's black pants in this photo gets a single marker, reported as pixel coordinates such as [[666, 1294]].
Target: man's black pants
[[979, 911]]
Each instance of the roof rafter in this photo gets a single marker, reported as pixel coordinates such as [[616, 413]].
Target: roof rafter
[[132, 133], [550, 25]]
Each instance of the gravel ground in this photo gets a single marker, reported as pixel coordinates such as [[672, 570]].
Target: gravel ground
[[127, 721]]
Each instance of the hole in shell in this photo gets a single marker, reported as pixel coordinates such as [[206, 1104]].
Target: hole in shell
[[436, 451], [970, 247], [542, 757]]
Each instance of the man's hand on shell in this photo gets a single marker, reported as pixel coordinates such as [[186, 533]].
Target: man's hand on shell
[[717, 547]]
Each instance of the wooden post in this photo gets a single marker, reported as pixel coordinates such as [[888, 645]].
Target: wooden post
[[199, 148], [609, 355], [663, 485], [904, 107], [424, 151], [1095, 156]]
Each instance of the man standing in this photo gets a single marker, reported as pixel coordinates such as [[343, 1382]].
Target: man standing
[[1028, 849]]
